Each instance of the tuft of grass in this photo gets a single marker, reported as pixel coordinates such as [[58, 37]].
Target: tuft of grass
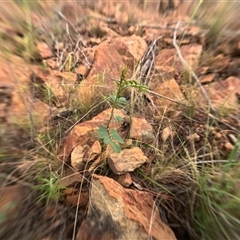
[[208, 187], [49, 187], [48, 141], [90, 98], [218, 200], [27, 43], [218, 17]]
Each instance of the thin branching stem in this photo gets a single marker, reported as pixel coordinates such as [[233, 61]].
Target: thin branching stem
[[120, 89], [188, 68]]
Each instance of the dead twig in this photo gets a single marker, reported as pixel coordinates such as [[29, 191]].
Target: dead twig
[[167, 98], [87, 18], [188, 68], [148, 61], [61, 15]]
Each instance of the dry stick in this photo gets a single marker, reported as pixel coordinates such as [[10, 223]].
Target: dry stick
[[153, 27], [167, 98], [143, 68], [85, 57], [220, 121], [216, 161], [149, 60], [185, 64], [65, 62], [60, 14], [189, 69], [78, 203], [89, 17], [150, 54]]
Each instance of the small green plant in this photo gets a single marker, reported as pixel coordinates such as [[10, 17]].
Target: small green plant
[[49, 187], [111, 136]]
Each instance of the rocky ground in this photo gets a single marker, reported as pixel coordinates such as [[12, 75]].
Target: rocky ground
[[167, 165]]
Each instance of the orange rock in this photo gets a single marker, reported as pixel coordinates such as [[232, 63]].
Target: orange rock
[[141, 130], [83, 133], [208, 78], [44, 50], [223, 94], [76, 198], [125, 180], [126, 161], [118, 213]]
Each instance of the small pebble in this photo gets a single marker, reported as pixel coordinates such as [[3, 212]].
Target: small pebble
[[218, 135], [228, 146]]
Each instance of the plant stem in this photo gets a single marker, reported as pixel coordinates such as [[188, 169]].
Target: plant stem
[[119, 91]]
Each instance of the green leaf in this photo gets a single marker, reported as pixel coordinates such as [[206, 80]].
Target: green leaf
[[106, 140], [135, 84], [122, 100], [112, 98], [118, 119], [118, 83], [116, 148], [144, 88], [102, 132], [115, 136]]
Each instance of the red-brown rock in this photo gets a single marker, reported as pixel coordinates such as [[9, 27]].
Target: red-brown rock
[[223, 94], [118, 213], [126, 161], [125, 180], [44, 50], [141, 130], [83, 133]]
